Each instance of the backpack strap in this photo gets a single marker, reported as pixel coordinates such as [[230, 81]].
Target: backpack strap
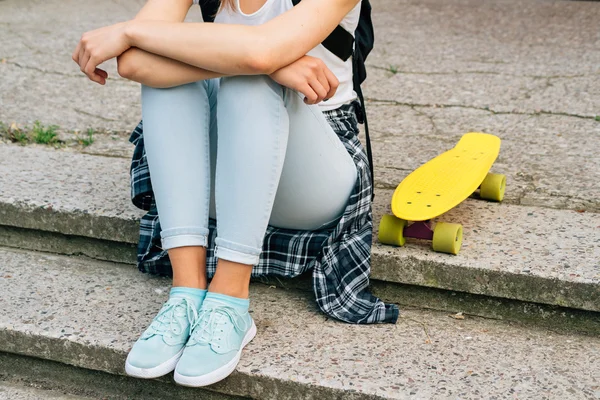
[[209, 9], [362, 117], [340, 42]]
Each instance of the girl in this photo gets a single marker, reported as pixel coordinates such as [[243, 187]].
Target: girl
[[232, 133]]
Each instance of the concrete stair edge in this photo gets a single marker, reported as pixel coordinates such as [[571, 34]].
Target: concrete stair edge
[[95, 315], [115, 238], [526, 253]]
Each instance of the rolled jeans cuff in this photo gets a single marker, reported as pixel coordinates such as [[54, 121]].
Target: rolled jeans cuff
[[236, 252], [186, 236]]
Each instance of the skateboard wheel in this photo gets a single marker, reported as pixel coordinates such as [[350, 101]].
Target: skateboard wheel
[[391, 230], [493, 187], [447, 238]]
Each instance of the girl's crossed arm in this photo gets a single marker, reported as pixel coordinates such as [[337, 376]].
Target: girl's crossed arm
[[171, 49]]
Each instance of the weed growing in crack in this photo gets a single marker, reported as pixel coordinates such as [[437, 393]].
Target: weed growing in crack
[[44, 134], [393, 69], [18, 136], [14, 133], [86, 141]]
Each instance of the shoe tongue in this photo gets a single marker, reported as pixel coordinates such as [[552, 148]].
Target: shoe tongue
[[223, 316], [195, 301]]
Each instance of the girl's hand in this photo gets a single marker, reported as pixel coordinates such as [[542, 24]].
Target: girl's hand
[[309, 76], [98, 46]]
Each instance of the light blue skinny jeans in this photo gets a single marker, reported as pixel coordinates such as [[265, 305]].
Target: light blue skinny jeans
[[262, 156]]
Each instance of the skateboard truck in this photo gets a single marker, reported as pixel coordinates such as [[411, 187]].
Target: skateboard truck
[[445, 237], [419, 230]]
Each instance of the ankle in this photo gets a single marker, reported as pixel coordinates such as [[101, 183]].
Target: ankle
[[241, 291], [190, 283], [189, 266], [231, 279]]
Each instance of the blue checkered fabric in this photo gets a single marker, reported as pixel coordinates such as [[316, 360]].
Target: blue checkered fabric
[[339, 257]]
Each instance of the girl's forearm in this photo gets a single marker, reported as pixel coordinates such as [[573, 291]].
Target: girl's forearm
[[158, 71], [154, 70], [195, 44], [241, 49]]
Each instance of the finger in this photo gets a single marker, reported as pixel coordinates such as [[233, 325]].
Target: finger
[[324, 82], [334, 83], [102, 73], [75, 55], [90, 70], [310, 97], [82, 59], [319, 89]]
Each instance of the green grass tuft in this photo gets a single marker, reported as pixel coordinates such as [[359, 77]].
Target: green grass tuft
[[44, 134], [86, 141]]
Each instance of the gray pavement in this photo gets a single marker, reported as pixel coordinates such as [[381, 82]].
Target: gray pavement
[[297, 354], [439, 69], [526, 70], [39, 79]]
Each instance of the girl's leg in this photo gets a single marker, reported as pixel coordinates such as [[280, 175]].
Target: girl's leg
[[177, 123], [254, 128], [258, 182], [253, 134], [252, 139], [318, 173]]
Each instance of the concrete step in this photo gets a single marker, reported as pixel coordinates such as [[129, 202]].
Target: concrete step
[[87, 314], [10, 391], [43, 379], [73, 203]]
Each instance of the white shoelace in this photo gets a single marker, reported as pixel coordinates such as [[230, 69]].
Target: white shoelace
[[167, 319], [203, 330]]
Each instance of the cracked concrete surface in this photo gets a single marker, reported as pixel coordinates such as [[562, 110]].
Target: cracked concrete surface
[[575, 97], [533, 37], [550, 160], [39, 79], [528, 71]]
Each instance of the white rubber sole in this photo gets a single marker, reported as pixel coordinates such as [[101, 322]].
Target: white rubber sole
[[218, 374], [155, 372]]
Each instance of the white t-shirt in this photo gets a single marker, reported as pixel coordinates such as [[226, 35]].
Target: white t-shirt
[[341, 69]]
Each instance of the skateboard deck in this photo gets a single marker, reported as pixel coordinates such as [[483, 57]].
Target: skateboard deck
[[445, 181]]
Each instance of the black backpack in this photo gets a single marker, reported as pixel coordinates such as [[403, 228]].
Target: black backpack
[[344, 45]]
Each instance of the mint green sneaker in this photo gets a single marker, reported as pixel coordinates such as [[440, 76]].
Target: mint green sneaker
[[213, 351], [159, 348]]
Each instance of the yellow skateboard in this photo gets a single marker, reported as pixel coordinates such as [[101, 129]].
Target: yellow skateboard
[[440, 185]]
